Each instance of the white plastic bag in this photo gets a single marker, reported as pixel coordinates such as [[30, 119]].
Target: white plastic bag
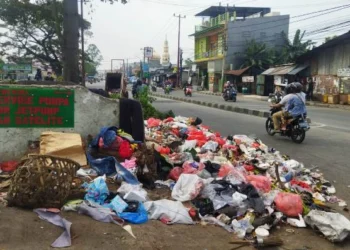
[[210, 145], [173, 210], [238, 199], [187, 187], [188, 145], [334, 226], [129, 191]]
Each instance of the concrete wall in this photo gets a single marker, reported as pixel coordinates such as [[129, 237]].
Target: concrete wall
[[263, 29], [91, 113]]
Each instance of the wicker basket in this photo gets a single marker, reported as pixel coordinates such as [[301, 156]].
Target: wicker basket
[[42, 181]]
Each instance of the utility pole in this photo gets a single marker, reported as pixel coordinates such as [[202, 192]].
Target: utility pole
[[225, 48], [70, 41], [82, 44], [178, 49]]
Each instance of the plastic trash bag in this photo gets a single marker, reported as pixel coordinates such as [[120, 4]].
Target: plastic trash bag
[[242, 227], [132, 192], [174, 211], [188, 145], [175, 173], [237, 199], [289, 204], [210, 145], [138, 217], [118, 204], [334, 226], [187, 187], [214, 221], [152, 122], [236, 176], [261, 183], [97, 191]]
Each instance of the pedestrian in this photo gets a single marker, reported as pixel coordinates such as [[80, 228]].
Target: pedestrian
[[49, 77], [38, 75], [310, 90]]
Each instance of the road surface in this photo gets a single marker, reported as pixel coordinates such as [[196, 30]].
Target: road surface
[[332, 119]]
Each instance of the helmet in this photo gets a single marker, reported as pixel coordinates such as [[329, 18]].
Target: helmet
[[291, 88], [299, 87]]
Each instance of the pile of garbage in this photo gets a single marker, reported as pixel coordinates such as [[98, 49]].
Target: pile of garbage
[[236, 182]]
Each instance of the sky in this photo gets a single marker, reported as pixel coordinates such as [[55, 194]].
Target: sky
[[121, 30]]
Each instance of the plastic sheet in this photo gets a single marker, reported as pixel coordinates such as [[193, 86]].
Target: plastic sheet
[[97, 191]]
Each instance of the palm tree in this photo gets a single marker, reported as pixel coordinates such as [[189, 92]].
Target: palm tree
[[294, 49], [256, 54]]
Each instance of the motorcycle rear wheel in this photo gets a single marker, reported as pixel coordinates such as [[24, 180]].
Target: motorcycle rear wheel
[[298, 134], [269, 127]]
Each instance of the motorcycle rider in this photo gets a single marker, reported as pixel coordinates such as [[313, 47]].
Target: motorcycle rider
[[293, 103], [186, 85]]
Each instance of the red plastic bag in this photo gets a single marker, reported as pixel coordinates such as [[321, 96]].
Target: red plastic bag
[[249, 167], [289, 204], [163, 150], [175, 173], [200, 143], [125, 150], [220, 141], [169, 119], [261, 183], [8, 166], [152, 122]]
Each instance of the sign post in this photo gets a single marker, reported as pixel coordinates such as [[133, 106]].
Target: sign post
[[22, 107]]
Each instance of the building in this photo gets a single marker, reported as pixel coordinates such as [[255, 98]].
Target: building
[[329, 65], [166, 55], [223, 34], [154, 62]]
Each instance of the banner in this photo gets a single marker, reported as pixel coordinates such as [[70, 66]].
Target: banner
[[36, 107]]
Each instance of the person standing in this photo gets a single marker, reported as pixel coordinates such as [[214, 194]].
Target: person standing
[[38, 75], [310, 89]]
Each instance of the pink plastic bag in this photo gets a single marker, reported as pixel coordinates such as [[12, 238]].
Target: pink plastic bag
[[289, 204], [190, 167], [225, 170], [261, 183], [175, 173], [152, 122]]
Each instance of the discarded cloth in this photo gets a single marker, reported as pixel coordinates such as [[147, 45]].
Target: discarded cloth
[[187, 187], [54, 218]]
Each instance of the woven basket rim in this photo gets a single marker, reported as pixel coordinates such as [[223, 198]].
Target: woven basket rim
[[31, 156]]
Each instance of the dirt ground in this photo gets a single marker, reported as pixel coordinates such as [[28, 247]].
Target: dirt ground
[[22, 229]]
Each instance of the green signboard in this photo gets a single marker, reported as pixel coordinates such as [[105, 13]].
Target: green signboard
[[22, 107], [17, 67]]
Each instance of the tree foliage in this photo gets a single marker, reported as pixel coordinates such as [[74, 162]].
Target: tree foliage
[[33, 30], [93, 59], [327, 39], [294, 49], [256, 54]]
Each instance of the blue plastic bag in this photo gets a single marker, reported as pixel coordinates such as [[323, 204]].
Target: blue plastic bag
[[97, 191], [139, 217]]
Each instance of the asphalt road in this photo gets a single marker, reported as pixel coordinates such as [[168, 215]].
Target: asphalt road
[[331, 119], [328, 150]]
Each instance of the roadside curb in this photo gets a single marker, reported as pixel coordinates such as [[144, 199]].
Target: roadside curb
[[224, 107]]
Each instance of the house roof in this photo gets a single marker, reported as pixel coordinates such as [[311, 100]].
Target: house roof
[[345, 38], [237, 72], [280, 70], [214, 11], [298, 69], [204, 31]]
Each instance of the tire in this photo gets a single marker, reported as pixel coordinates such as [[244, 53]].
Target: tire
[[234, 99], [269, 127], [298, 134]]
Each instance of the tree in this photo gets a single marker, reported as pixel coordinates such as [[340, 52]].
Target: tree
[[293, 49], [327, 39], [33, 30], [188, 62], [93, 59], [256, 54], [71, 40]]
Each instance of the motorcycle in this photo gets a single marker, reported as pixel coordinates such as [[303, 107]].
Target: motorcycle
[[188, 91], [296, 127], [230, 94], [154, 87], [167, 89]]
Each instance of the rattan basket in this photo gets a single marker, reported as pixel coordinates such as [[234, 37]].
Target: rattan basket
[[42, 181]]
